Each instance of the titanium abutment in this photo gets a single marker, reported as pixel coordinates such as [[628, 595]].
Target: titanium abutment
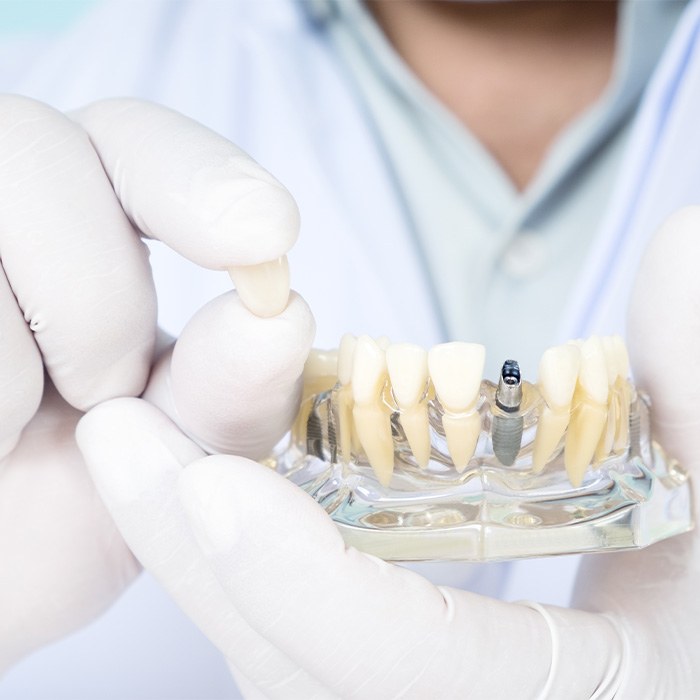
[[507, 431]]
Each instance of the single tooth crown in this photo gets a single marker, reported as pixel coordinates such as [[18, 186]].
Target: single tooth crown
[[558, 372], [368, 370], [408, 372], [456, 370]]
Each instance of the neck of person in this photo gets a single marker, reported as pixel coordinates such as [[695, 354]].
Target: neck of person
[[514, 73]]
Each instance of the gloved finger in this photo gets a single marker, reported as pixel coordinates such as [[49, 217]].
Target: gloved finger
[[664, 333], [236, 378], [21, 371], [363, 627], [661, 609], [192, 189], [135, 455], [77, 269]]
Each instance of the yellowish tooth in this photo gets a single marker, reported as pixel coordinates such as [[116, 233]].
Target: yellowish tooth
[[320, 374], [408, 371], [346, 431], [372, 417], [558, 371], [320, 371], [590, 412], [263, 288], [456, 370]]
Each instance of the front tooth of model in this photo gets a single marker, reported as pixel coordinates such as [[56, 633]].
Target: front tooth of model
[[456, 370], [346, 350], [558, 372], [590, 410], [607, 438], [372, 417], [408, 371]]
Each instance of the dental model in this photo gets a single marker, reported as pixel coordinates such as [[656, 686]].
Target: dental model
[[417, 456]]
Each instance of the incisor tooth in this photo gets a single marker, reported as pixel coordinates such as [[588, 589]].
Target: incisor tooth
[[371, 416], [590, 411], [456, 370], [263, 288], [558, 371], [408, 371]]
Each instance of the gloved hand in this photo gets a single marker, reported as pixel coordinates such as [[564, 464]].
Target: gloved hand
[[77, 302], [263, 572]]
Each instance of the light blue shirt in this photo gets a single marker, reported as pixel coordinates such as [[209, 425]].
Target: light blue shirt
[[501, 262]]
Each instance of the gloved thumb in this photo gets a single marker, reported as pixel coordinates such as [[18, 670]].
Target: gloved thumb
[[366, 628], [232, 381]]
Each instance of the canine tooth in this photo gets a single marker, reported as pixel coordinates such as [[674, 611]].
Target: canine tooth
[[558, 372], [456, 370], [408, 371], [371, 416], [263, 288], [590, 412]]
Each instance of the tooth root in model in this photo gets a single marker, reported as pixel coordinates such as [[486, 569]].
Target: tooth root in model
[[407, 365], [588, 419], [346, 350], [456, 370], [372, 418], [558, 372]]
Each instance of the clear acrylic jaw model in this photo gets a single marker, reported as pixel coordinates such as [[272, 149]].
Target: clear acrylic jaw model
[[517, 473]]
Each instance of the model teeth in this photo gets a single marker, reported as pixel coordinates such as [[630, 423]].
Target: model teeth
[[584, 386], [456, 370], [408, 372], [372, 417], [590, 412], [558, 372]]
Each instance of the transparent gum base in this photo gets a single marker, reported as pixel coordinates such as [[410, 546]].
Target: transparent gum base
[[489, 512]]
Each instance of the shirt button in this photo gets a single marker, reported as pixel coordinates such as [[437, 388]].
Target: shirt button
[[525, 256]]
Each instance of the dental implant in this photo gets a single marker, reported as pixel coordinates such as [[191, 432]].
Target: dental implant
[[507, 430]]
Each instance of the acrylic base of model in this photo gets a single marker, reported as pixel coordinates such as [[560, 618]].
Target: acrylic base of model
[[487, 512]]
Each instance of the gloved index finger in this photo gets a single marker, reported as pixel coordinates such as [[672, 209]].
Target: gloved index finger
[[78, 271], [195, 191]]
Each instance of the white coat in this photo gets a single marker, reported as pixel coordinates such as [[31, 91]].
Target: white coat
[[262, 74]]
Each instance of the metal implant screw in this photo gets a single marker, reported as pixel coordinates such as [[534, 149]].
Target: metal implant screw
[[507, 431]]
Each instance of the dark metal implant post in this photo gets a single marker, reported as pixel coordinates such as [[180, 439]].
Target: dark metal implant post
[[507, 431]]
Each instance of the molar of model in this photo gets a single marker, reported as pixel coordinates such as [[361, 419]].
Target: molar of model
[[557, 375], [408, 371], [590, 412], [371, 416], [456, 370]]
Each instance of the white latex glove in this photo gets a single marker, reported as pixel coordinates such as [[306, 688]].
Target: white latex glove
[[262, 570], [77, 301]]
